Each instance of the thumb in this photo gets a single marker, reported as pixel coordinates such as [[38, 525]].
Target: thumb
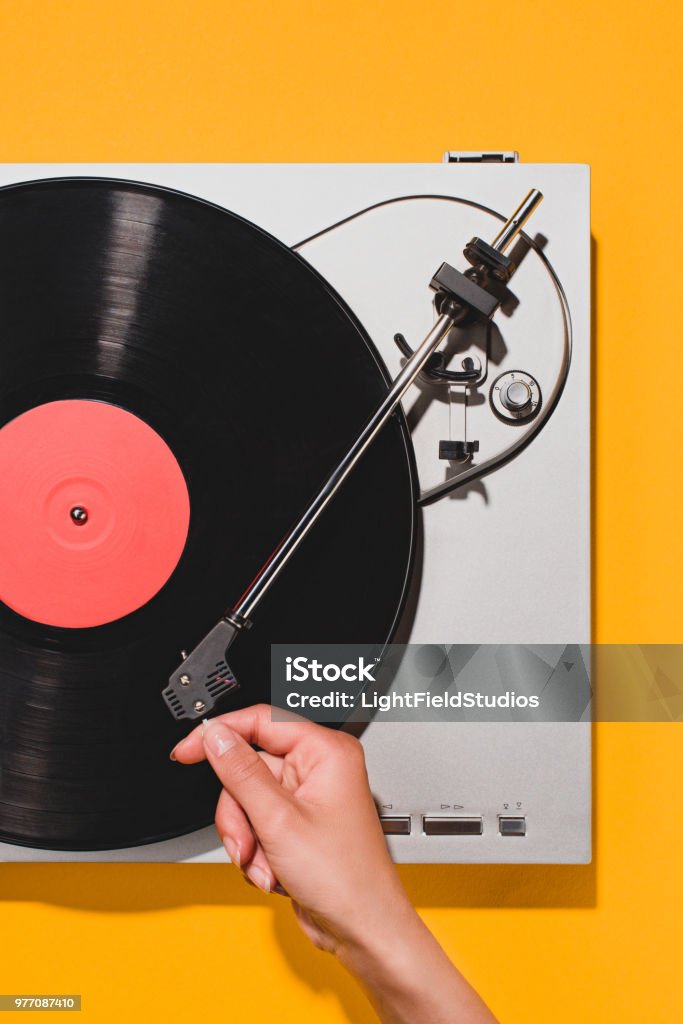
[[243, 774]]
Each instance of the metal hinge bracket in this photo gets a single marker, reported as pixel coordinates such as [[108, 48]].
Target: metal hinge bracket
[[454, 156]]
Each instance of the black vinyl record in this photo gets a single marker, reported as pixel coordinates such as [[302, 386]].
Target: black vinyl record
[[257, 376]]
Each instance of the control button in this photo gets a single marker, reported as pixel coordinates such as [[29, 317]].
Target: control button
[[515, 395], [512, 826], [452, 826], [395, 826]]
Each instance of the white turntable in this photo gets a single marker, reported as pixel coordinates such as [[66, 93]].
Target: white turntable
[[501, 432]]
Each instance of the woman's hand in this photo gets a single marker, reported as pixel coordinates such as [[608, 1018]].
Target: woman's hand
[[299, 815], [298, 818]]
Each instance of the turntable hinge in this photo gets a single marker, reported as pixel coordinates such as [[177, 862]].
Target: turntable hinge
[[456, 156]]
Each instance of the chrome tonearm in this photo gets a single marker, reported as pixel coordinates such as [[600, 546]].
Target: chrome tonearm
[[204, 675]]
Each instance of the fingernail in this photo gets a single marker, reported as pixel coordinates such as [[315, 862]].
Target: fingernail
[[232, 849], [218, 738], [174, 753], [259, 878]]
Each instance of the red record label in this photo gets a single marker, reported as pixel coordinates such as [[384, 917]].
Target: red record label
[[94, 513]]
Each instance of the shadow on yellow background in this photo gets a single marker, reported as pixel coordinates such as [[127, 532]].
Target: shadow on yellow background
[[122, 889], [164, 890]]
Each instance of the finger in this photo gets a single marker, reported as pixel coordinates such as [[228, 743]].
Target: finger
[[277, 888], [250, 723], [246, 777], [190, 749], [260, 872], [276, 764], [234, 830], [256, 725]]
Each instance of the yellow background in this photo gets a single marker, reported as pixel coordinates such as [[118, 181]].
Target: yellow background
[[397, 81]]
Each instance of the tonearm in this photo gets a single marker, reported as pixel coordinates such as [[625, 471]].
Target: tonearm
[[204, 675]]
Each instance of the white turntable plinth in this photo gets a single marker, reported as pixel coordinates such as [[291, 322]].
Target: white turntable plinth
[[506, 559]]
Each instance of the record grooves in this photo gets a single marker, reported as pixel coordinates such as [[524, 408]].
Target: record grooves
[[254, 376]]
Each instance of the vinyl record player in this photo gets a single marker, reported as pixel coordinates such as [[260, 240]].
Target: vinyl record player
[[175, 373]]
